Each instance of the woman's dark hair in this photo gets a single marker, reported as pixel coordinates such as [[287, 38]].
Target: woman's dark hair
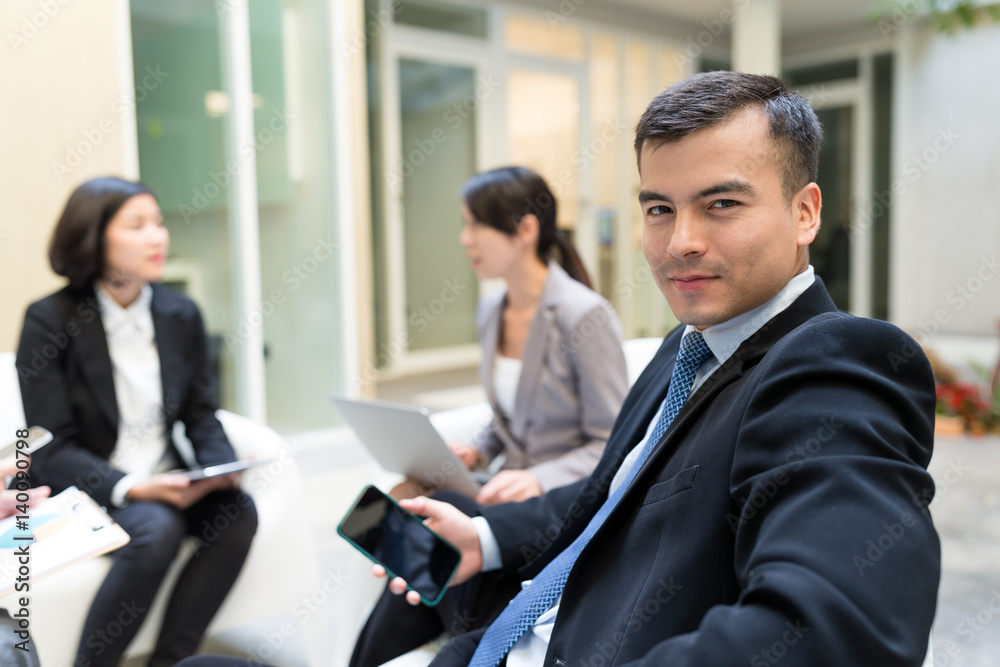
[[77, 247], [500, 198]]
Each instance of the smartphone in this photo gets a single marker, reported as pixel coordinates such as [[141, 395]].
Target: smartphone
[[399, 541], [37, 438]]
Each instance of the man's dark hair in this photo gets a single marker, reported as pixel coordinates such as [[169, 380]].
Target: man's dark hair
[[710, 98], [77, 247]]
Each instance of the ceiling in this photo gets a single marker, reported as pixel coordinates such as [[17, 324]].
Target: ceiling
[[797, 16]]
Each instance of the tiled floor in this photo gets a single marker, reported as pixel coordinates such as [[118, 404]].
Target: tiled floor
[[966, 511]]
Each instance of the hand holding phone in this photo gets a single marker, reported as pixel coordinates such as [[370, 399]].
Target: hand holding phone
[[37, 438], [398, 540]]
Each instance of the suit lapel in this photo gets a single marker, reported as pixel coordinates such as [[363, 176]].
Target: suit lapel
[[814, 301], [95, 359], [535, 346], [169, 340], [531, 366], [491, 334]]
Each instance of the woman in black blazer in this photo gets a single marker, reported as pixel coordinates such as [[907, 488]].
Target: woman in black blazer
[[108, 364]]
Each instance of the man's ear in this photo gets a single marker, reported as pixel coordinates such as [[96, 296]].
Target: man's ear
[[806, 205]]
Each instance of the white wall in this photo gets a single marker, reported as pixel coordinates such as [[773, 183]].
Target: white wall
[[946, 168], [62, 103]]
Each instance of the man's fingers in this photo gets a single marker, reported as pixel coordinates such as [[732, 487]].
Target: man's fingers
[[413, 598], [397, 586], [378, 570], [425, 507]]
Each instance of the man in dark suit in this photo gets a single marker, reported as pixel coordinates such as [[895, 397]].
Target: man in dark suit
[[763, 493]]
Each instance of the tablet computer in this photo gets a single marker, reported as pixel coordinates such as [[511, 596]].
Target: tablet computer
[[216, 469]]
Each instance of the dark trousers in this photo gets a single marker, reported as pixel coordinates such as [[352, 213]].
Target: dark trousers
[[224, 524], [396, 627]]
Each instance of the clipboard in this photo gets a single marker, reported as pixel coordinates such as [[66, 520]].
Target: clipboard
[[59, 532]]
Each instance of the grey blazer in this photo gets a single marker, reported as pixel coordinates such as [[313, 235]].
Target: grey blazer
[[572, 382]]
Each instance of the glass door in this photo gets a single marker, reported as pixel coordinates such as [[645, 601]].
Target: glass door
[[438, 132]]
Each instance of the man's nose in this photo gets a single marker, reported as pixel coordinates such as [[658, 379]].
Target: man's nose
[[687, 238]]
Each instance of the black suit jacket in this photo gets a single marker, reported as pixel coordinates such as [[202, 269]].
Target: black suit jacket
[[67, 386], [782, 516]]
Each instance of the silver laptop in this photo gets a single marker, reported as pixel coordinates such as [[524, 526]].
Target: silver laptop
[[402, 439]]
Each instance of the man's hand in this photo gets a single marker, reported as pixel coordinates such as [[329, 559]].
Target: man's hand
[[453, 525], [508, 486], [9, 503], [176, 490], [470, 456]]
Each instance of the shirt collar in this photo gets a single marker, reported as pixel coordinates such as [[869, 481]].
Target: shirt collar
[[115, 317], [724, 339]]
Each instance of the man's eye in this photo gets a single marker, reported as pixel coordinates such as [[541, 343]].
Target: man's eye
[[724, 203], [658, 210]]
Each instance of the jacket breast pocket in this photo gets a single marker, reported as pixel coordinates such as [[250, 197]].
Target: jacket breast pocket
[[682, 481]]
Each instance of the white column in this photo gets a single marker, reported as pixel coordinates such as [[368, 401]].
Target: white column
[[757, 36], [243, 218]]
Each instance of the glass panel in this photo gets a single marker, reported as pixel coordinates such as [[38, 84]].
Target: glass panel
[[298, 231], [644, 310], [547, 142], [606, 122], [671, 67], [439, 154], [558, 39], [182, 155], [878, 212], [830, 252], [442, 16], [797, 78]]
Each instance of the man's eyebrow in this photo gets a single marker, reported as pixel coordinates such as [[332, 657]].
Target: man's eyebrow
[[649, 195], [733, 186]]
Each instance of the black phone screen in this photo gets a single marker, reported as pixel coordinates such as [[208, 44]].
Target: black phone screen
[[400, 542]]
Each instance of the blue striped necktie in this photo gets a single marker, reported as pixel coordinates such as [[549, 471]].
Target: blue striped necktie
[[529, 604]]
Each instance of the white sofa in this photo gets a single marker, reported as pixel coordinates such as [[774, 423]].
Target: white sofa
[[281, 570]]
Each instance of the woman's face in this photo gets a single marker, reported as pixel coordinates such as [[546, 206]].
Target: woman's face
[[136, 242], [493, 254]]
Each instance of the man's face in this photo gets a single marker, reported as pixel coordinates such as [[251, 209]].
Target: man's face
[[718, 233]]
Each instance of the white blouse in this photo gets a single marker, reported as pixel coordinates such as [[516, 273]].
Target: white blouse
[[506, 375], [141, 447]]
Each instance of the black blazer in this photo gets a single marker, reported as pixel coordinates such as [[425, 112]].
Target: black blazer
[[64, 370], [781, 516]]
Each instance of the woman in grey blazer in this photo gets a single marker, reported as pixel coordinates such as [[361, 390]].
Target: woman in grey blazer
[[553, 366], [554, 372]]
